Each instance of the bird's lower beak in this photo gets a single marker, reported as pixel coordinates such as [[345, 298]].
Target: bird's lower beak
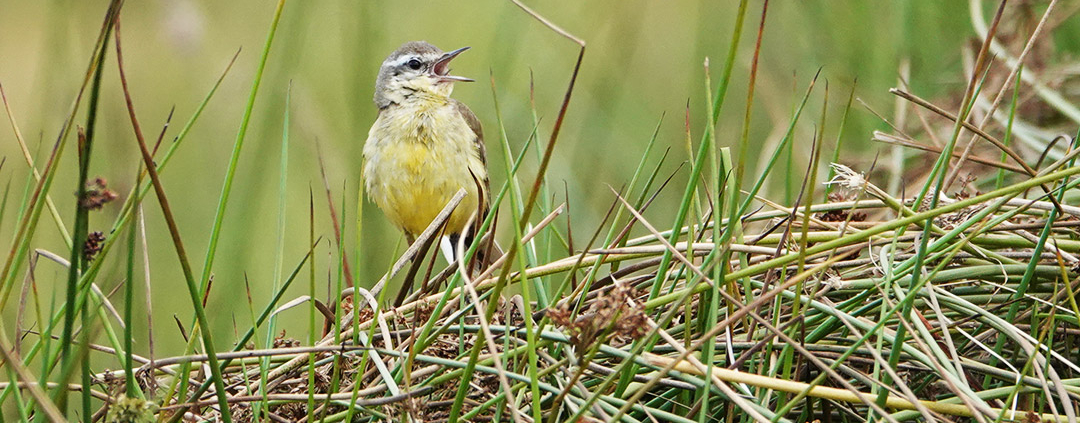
[[441, 70]]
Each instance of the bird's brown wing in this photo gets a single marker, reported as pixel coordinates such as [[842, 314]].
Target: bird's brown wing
[[478, 143], [474, 124], [491, 250]]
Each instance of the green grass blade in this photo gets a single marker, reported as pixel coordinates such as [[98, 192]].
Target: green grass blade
[[234, 159]]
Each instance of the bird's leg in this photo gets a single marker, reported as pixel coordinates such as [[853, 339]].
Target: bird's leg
[[407, 284], [426, 281]]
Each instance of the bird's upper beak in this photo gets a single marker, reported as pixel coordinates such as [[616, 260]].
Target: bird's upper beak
[[441, 69]]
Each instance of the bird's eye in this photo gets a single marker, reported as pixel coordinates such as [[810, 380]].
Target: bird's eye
[[414, 64]]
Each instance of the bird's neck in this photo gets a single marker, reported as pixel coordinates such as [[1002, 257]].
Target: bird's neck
[[424, 99], [419, 92]]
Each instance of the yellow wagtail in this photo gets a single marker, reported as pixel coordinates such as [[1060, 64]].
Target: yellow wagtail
[[424, 146]]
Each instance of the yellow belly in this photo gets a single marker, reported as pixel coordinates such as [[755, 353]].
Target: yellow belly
[[416, 160]]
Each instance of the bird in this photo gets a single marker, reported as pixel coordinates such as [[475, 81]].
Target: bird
[[424, 146]]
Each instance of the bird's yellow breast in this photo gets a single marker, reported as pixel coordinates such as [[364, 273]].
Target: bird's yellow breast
[[417, 156]]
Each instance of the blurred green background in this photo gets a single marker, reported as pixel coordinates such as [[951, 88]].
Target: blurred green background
[[644, 59]]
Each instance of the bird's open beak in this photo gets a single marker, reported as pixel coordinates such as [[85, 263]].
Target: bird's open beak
[[441, 70]]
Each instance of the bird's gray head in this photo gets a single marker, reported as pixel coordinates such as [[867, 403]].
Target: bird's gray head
[[415, 67]]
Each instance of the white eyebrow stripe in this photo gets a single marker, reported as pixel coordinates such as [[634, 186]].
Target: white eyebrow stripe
[[399, 61], [403, 59]]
